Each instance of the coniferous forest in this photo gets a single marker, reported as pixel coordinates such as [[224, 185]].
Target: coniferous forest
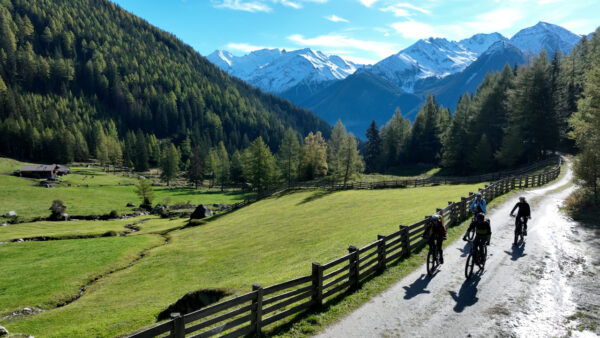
[[75, 86], [518, 115]]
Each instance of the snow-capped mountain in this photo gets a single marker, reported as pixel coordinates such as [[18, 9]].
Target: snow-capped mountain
[[551, 37], [432, 57], [276, 70]]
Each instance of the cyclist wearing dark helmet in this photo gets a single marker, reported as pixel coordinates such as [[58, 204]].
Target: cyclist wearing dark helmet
[[476, 207], [524, 213], [435, 234], [483, 230]]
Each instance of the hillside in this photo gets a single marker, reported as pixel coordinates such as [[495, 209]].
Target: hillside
[[67, 64]]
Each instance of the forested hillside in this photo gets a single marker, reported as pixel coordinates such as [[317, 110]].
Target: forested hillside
[[516, 116], [84, 78]]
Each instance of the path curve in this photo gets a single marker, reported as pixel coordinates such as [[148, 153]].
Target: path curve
[[524, 291]]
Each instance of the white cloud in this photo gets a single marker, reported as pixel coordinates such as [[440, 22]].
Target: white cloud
[[367, 3], [335, 18], [402, 9], [496, 20], [414, 29], [260, 5], [381, 49], [545, 2], [241, 5]]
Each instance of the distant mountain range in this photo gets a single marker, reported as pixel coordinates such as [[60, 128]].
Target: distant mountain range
[[336, 88]]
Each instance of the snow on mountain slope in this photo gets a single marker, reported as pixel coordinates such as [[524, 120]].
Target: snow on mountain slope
[[275, 70], [551, 37], [432, 57]]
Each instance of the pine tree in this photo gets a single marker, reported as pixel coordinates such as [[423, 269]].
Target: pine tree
[[237, 167], [456, 142], [313, 157], [373, 149], [483, 157], [426, 137], [222, 167], [288, 156], [350, 161], [145, 192], [259, 165], [169, 163], [141, 152], [195, 171], [395, 136]]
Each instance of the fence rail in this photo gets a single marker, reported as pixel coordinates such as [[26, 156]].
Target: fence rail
[[249, 313]]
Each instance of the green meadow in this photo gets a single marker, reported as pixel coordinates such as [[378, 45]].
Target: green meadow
[[267, 242]]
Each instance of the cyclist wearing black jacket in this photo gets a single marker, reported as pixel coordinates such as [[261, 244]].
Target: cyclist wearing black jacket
[[524, 213]]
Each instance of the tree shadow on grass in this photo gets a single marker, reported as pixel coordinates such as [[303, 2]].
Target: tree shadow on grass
[[317, 195], [467, 295]]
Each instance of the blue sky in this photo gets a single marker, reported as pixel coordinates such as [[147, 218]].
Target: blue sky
[[362, 30]]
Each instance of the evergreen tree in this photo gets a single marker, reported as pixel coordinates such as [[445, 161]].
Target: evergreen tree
[[483, 157], [221, 165], [313, 157], [259, 165], [144, 190], [395, 136], [288, 156], [373, 149], [532, 125], [334, 165], [456, 141], [141, 152], [169, 163], [426, 137], [237, 167], [195, 171], [350, 161]]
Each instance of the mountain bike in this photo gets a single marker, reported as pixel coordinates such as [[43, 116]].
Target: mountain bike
[[477, 256], [519, 230], [434, 257]]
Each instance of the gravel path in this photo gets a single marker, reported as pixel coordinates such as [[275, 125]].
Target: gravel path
[[534, 290]]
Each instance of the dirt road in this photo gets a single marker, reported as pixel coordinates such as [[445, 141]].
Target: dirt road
[[545, 288]]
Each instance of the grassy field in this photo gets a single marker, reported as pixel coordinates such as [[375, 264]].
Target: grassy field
[[91, 196], [267, 242], [44, 274], [68, 229]]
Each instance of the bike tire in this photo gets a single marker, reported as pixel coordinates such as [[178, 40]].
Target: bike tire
[[469, 266], [430, 263], [470, 234], [483, 257]]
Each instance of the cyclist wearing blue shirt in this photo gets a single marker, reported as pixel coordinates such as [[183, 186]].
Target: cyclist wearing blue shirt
[[478, 206]]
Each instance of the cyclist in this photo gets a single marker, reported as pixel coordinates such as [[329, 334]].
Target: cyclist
[[435, 234], [483, 230], [524, 213], [478, 206]]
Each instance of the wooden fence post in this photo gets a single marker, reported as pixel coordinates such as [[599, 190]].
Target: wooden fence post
[[354, 268], [317, 284], [256, 311], [178, 329], [381, 253], [512, 184], [405, 241], [463, 208]]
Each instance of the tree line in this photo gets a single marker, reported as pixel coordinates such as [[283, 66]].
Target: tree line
[[335, 160], [516, 116], [76, 77]]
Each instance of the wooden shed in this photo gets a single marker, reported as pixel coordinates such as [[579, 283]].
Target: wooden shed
[[47, 171]]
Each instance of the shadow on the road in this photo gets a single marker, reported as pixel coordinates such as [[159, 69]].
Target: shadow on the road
[[467, 295], [418, 287], [518, 251], [464, 251]]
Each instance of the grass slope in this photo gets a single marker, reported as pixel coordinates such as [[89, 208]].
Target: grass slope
[[270, 241], [44, 274]]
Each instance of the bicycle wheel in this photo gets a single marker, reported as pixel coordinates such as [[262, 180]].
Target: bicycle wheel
[[469, 266], [483, 257], [470, 234], [430, 262]]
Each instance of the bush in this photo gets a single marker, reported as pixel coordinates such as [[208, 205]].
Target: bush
[[111, 233], [57, 209], [113, 214]]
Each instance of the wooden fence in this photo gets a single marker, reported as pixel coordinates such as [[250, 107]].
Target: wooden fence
[[249, 313], [421, 182]]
